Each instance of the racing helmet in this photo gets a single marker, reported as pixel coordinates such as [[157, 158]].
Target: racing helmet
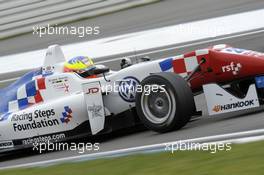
[[80, 65]]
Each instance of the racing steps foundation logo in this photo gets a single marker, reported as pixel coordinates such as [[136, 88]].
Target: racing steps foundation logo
[[218, 108], [34, 120], [66, 115]]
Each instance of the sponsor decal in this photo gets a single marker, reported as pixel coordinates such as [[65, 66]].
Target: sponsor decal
[[234, 50], [127, 88], [34, 120], [96, 110], [93, 90], [6, 144], [46, 71], [232, 67], [240, 104], [43, 139], [239, 51], [66, 115], [60, 83]]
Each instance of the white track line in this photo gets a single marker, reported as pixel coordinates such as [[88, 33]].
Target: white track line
[[11, 78], [237, 137], [186, 45], [149, 39]]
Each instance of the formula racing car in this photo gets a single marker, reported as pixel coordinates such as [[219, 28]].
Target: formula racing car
[[63, 99]]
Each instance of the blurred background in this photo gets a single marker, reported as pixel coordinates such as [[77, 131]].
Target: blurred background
[[119, 26]]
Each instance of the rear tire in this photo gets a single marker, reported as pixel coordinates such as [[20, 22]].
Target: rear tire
[[170, 107]]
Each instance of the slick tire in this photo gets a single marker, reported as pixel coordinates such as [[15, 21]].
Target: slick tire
[[166, 102]]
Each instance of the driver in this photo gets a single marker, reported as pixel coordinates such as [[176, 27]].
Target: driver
[[82, 65]]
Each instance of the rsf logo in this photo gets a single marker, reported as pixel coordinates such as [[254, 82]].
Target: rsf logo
[[234, 67], [127, 88]]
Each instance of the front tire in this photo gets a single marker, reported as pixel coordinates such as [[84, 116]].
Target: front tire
[[166, 102]]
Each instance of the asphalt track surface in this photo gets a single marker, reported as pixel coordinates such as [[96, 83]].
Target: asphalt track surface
[[152, 16], [164, 13]]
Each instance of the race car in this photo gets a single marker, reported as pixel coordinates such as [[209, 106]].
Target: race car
[[63, 99]]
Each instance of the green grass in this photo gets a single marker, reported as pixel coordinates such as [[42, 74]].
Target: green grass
[[242, 159]]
